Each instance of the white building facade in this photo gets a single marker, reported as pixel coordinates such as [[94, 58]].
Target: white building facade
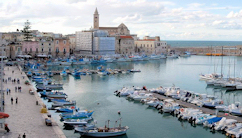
[[96, 42], [84, 42]]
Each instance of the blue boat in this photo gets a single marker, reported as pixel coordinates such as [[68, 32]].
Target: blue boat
[[214, 120], [63, 73], [29, 73], [79, 115], [76, 73], [66, 110], [94, 62]]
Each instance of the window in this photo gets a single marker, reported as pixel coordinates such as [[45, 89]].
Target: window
[[57, 41], [25, 50], [49, 44], [19, 49], [30, 50], [151, 45], [42, 44], [49, 49], [42, 49], [36, 49], [64, 51], [147, 45], [64, 41]]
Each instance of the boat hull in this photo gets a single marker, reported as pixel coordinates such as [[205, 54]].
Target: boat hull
[[103, 134]]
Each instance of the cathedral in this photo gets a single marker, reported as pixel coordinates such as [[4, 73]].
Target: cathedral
[[122, 29]]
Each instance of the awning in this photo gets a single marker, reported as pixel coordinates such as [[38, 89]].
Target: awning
[[41, 55], [24, 56]]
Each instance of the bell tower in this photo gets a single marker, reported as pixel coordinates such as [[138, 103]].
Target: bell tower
[[96, 20]]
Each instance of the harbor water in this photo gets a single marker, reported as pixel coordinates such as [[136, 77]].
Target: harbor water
[[95, 92]]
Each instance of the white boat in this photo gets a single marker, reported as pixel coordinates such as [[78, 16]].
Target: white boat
[[103, 73], [108, 59], [153, 102], [203, 118], [121, 60], [104, 131], [74, 122], [172, 56], [169, 106], [223, 123], [152, 57], [233, 130], [142, 96]]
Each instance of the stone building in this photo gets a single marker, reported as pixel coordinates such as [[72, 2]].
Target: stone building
[[72, 41], [122, 29], [151, 45], [124, 45], [61, 47], [46, 48], [30, 47]]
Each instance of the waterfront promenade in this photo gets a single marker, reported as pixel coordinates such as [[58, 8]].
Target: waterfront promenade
[[25, 116]]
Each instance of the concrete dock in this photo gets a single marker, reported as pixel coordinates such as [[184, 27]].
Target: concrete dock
[[25, 116], [203, 109]]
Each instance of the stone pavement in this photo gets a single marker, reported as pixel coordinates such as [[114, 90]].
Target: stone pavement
[[25, 116]]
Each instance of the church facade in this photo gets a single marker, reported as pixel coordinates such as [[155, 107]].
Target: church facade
[[124, 42]]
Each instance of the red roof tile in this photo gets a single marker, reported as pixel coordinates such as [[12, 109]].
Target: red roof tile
[[146, 40], [126, 37]]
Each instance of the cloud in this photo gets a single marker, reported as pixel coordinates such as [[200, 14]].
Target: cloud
[[75, 1], [233, 14], [217, 22]]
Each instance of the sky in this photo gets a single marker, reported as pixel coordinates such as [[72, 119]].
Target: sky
[[171, 20]]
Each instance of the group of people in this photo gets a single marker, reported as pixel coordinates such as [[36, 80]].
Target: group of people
[[13, 80], [18, 89], [15, 99]]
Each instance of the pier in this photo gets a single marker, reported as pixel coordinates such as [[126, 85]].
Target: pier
[[25, 116], [203, 109]]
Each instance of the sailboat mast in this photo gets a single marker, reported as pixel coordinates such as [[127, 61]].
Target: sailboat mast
[[234, 61], [222, 63]]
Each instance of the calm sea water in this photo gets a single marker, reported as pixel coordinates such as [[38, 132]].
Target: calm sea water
[[202, 43], [145, 122]]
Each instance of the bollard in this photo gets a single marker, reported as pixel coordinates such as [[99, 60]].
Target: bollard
[[37, 103]]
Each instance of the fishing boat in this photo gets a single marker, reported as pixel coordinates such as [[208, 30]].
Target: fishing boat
[[63, 73], [74, 122], [29, 73], [105, 131], [66, 62], [152, 57], [108, 59], [50, 74], [56, 95], [79, 62], [63, 103], [121, 60]]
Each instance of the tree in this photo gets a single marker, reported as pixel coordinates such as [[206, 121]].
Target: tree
[[26, 31]]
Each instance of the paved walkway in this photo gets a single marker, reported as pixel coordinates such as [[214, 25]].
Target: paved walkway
[[25, 117]]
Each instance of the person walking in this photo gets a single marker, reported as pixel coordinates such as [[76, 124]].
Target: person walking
[[9, 91], [11, 100], [19, 136], [16, 100], [24, 136], [15, 88]]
